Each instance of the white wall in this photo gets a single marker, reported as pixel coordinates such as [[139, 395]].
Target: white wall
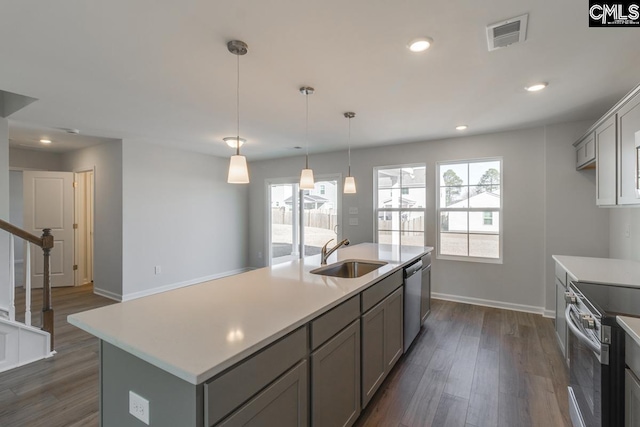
[[4, 214], [179, 213], [520, 280], [574, 224], [106, 158], [35, 160], [621, 219]]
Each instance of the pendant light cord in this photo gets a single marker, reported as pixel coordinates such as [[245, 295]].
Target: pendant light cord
[[306, 133], [349, 174], [238, 107]]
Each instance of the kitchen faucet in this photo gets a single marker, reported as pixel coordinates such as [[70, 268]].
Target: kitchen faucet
[[325, 253]]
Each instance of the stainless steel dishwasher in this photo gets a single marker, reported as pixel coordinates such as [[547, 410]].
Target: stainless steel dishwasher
[[412, 299]]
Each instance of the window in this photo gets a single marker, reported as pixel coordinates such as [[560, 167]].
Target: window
[[400, 199], [488, 218], [469, 210], [322, 189]]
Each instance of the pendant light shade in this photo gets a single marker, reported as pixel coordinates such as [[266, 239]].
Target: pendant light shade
[[306, 176], [349, 181], [238, 171], [306, 180], [349, 185]]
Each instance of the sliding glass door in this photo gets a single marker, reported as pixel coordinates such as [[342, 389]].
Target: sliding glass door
[[301, 222]]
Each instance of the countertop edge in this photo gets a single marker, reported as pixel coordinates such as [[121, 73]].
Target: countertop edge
[[199, 378], [633, 331]]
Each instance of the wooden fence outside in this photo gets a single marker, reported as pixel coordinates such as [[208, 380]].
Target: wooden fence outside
[[312, 218]]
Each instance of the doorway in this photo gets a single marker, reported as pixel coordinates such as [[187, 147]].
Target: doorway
[[83, 236], [302, 221], [81, 258]]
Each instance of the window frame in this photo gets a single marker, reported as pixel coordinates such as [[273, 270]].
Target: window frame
[[500, 210], [378, 210]]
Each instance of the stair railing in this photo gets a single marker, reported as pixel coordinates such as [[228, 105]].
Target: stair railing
[[46, 243]]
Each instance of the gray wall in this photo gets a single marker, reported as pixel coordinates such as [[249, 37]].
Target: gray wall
[[35, 159], [520, 280], [107, 160], [574, 225], [179, 214], [4, 214], [621, 219]]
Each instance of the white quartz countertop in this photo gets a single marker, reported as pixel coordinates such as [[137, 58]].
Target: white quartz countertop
[[631, 325], [604, 271], [197, 331]]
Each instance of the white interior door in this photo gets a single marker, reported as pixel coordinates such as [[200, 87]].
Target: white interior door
[[48, 203]]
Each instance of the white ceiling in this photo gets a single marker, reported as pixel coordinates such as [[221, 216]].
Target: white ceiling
[[159, 70]]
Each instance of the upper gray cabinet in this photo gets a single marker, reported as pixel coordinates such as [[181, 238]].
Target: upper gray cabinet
[[612, 141], [628, 125], [586, 152], [605, 135]]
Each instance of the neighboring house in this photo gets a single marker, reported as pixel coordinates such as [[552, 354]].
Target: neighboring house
[[483, 221], [310, 202]]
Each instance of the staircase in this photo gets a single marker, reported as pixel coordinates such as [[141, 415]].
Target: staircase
[[21, 342]]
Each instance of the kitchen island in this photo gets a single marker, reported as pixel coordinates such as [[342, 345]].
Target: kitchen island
[[200, 353]]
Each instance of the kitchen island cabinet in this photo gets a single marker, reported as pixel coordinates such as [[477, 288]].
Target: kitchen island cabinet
[[247, 347]]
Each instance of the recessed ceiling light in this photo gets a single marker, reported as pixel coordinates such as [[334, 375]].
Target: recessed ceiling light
[[536, 87], [45, 141], [420, 44], [461, 127], [232, 141]]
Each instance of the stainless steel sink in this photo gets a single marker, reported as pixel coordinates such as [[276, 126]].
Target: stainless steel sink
[[349, 269]]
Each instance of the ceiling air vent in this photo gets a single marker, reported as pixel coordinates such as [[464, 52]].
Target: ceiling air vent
[[505, 33]]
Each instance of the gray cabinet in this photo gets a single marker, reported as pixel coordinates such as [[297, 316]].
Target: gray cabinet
[[605, 135], [631, 400], [562, 332], [283, 403], [586, 151], [335, 380], [561, 322], [628, 125], [381, 342], [425, 295]]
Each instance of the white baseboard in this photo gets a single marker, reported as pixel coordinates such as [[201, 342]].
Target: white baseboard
[[107, 294], [147, 292], [490, 303], [551, 314]]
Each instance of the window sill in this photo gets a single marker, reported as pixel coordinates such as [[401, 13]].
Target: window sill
[[469, 259]]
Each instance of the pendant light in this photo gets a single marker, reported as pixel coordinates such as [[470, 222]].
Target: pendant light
[[306, 176], [238, 171], [349, 181]]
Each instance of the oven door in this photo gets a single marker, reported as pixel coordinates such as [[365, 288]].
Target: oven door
[[585, 372]]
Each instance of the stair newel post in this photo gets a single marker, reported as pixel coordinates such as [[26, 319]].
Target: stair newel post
[[47, 309]]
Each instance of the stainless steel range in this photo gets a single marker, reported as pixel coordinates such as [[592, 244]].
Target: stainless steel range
[[596, 352]]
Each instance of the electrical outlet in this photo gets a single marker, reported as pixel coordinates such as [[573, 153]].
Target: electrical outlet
[[353, 221], [139, 407], [158, 270], [353, 211], [627, 231], [259, 255]]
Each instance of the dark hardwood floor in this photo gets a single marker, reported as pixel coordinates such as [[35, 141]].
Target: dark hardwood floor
[[470, 366], [476, 366], [61, 390]]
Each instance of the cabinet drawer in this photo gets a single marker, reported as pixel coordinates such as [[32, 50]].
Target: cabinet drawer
[[632, 355], [284, 403], [561, 274], [333, 321], [377, 292], [230, 390]]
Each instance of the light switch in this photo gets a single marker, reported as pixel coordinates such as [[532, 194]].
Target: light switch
[[353, 211], [353, 221]]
